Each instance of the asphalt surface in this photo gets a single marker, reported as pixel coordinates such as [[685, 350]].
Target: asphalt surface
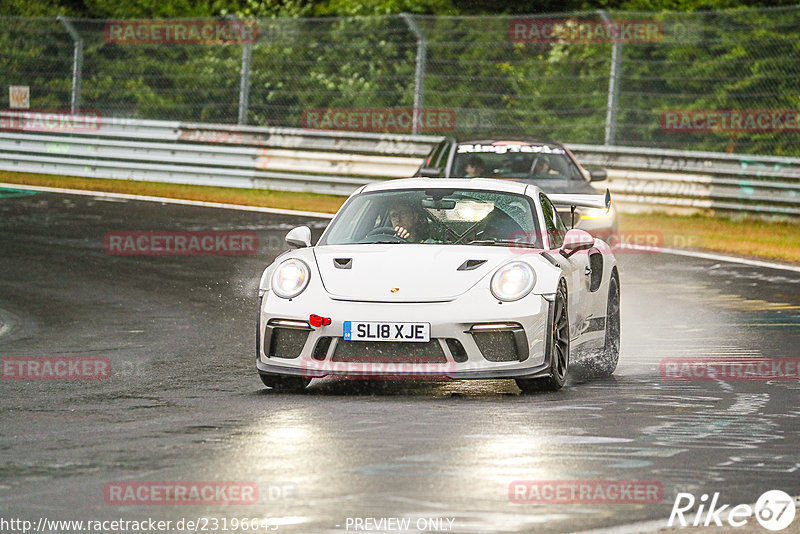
[[184, 404]]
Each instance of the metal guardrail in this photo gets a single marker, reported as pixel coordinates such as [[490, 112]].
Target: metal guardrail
[[642, 178], [338, 162], [215, 155]]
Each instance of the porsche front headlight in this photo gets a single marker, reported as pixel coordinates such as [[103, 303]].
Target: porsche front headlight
[[513, 281], [290, 278]]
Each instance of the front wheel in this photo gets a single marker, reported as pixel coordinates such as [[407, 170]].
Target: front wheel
[[285, 383], [558, 349]]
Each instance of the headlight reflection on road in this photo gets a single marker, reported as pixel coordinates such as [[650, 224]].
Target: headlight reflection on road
[[513, 456], [286, 430]]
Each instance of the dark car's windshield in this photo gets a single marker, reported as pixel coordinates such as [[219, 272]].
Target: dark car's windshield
[[513, 161], [436, 216]]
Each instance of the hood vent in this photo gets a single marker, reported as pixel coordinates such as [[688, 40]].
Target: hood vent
[[470, 265], [343, 263]]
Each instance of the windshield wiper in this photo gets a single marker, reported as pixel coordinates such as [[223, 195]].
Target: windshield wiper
[[501, 242]]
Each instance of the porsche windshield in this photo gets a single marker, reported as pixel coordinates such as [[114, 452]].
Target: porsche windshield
[[436, 216], [537, 162]]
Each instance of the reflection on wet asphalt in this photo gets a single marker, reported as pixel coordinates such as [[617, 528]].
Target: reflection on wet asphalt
[[184, 403]]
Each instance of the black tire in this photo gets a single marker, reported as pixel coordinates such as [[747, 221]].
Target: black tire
[[609, 357], [285, 383], [558, 349]]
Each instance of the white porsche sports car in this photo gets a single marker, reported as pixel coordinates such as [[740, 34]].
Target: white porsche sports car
[[445, 278]]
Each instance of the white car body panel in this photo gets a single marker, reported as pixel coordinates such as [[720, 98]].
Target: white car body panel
[[420, 283], [378, 268]]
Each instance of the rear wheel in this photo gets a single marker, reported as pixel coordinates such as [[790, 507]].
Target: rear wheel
[[285, 383], [558, 349], [607, 362]]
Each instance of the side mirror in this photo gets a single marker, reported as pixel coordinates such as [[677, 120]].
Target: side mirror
[[430, 172], [576, 240], [299, 237], [597, 175]]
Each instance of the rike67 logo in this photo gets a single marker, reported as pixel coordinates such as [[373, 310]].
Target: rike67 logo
[[774, 510]]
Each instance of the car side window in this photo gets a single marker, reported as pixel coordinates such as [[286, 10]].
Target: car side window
[[444, 153], [575, 172], [436, 158], [554, 225]]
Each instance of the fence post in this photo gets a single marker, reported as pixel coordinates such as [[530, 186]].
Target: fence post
[[77, 63], [419, 72], [244, 80], [244, 86], [613, 85]]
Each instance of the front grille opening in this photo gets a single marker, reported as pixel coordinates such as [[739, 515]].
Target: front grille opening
[[321, 348], [286, 342], [388, 352], [457, 350], [497, 346]]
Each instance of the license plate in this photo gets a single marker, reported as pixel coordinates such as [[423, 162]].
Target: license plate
[[372, 331]]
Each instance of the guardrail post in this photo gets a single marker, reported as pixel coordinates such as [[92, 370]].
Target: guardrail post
[[419, 71], [613, 85], [77, 63]]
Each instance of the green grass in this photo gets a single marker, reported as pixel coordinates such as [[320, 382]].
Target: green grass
[[743, 236], [231, 195]]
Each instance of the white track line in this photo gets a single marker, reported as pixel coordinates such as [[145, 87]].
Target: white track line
[[164, 200], [316, 214], [718, 257]]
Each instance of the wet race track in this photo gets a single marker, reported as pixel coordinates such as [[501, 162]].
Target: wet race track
[[183, 403]]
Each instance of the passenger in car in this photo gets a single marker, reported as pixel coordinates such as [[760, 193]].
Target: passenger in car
[[475, 168], [498, 225], [542, 167]]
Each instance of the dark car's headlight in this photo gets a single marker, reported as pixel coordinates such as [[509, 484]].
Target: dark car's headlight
[[591, 214], [290, 278], [513, 281]]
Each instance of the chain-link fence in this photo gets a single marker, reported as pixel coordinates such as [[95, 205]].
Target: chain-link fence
[[716, 80]]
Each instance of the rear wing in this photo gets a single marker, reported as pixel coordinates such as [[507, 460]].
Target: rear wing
[[581, 201]]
